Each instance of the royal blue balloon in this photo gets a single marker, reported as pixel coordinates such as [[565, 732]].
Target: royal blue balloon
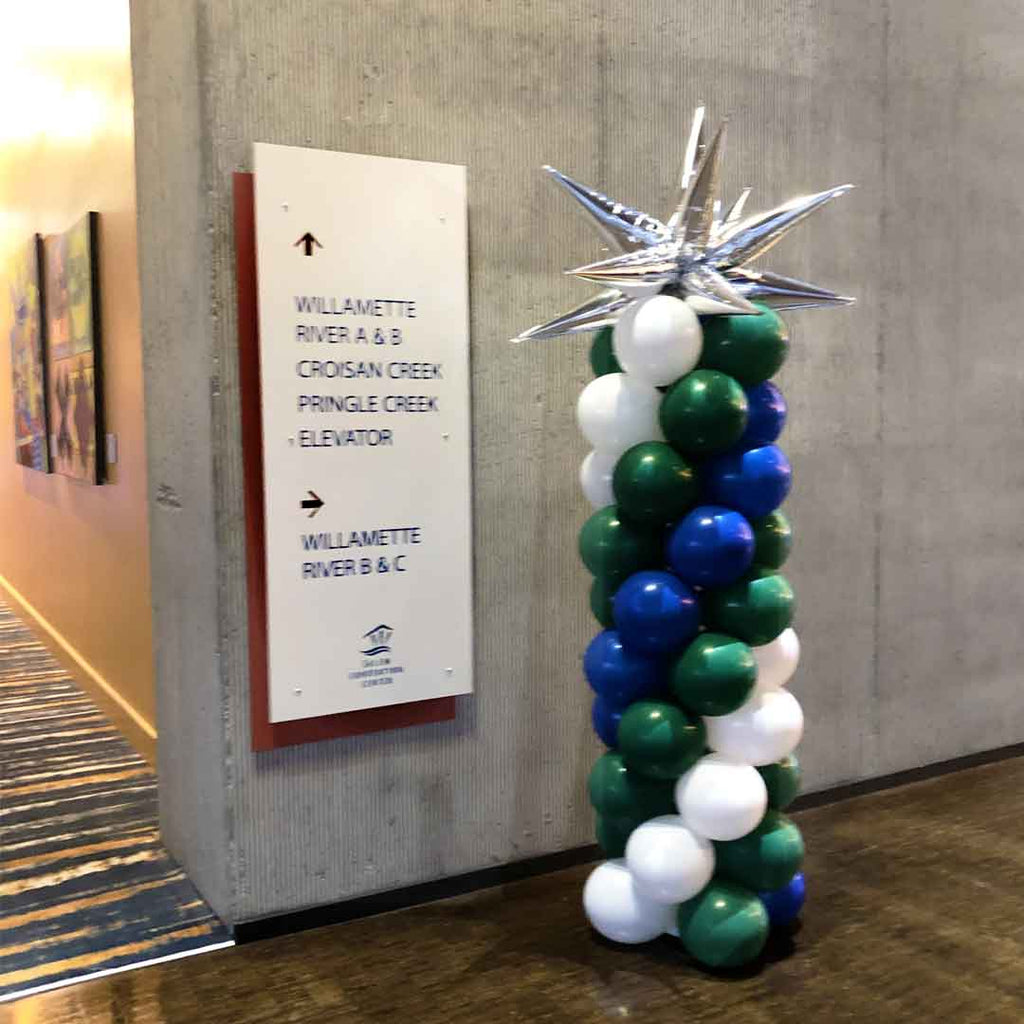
[[754, 481], [766, 415], [711, 546], [605, 720], [618, 675], [784, 905], [655, 613]]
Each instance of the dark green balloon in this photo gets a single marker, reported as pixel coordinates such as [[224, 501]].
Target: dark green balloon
[[654, 485], [659, 740], [704, 412], [601, 595], [612, 549], [617, 792], [749, 348], [756, 609], [714, 675], [782, 780], [765, 859], [724, 925], [602, 356], [613, 833], [773, 538]]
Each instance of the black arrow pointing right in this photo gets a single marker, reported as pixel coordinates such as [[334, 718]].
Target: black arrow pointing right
[[314, 502]]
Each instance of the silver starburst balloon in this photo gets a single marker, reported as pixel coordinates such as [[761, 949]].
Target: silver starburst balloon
[[697, 255]]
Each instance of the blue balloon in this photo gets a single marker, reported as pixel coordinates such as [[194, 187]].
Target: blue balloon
[[711, 547], [754, 481], [655, 613], [766, 415], [618, 675], [605, 720], [784, 905]]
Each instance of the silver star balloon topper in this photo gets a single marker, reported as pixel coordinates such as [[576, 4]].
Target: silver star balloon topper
[[698, 255]]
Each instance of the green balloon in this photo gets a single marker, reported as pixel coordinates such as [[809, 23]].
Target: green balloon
[[602, 356], [601, 595], [704, 412], [659, 740], [782, 780], [617, 792], [749, 348], [773, 538], [653, 484], [765, 859], [724, 925], [714, 675], [612, 549], [613, 833], [756, 609]]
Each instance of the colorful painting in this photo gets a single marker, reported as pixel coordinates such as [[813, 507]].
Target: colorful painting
[[74, 381], [28, 367]]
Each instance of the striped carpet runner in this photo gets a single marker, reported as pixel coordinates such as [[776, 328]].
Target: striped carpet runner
[[85, 884]]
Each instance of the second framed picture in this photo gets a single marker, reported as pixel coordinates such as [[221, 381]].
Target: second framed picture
[[74, 377]]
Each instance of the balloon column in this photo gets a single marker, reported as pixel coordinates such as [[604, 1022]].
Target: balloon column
[[685, 545]]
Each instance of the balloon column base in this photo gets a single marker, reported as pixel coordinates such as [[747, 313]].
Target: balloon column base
[[724, 928]]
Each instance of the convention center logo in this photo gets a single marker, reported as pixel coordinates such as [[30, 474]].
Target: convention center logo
[[377, 641]]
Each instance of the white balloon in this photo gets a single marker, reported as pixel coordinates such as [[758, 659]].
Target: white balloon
[[720, 798], [658, 339], [616, 908], [765, 729], [777, 661], [669, 863], [596, 478], [616, 411]]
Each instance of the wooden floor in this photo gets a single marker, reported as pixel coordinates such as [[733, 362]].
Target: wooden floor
[[915, 913]]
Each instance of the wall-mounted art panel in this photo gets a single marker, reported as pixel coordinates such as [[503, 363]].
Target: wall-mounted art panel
[[74, 379], [28, 366]]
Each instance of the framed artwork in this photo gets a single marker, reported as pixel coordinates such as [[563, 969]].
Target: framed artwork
[[73, 366], [28, 365]]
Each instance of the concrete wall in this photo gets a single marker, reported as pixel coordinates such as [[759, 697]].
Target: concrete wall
[[905, 410], [75, 556]]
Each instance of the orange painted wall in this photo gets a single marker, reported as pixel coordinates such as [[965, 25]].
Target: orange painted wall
[[79, 554]]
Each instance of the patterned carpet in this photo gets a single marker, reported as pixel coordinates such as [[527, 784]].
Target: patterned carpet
[[85, 884]]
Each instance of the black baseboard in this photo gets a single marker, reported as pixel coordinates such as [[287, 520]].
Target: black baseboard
[[848, 790], [443, 888], [409, 896]]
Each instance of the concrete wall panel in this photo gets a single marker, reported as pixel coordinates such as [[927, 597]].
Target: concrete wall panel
[[904, 409]]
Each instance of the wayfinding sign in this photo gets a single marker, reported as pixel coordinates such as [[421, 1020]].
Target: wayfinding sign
[[364, 345]]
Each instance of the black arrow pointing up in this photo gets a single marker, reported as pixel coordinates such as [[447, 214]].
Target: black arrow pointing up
[[307, 241], [314, 503]]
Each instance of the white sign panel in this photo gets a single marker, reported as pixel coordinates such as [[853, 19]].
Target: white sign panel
[[363, 313]]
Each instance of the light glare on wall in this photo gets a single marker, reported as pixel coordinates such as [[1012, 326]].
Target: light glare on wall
[[65, 26], [40, 44]]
